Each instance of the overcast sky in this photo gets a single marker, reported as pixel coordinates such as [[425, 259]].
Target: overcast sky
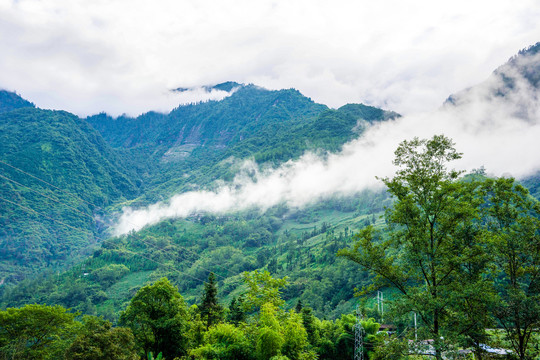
[[125, 56]]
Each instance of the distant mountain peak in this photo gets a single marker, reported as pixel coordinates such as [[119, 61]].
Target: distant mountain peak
[[11, 101], [521, 73], [225, 86]]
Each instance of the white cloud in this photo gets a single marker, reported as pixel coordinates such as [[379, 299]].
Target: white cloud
[[491, 131], [124, 56]]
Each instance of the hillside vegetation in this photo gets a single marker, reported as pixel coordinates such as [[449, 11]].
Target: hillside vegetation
[[462, 252], [61, 177], [458, 250]]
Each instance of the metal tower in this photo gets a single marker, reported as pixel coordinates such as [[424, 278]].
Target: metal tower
[[358, 336]]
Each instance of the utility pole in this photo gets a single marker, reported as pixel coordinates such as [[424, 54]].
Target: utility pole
[[415, 330], [358, 336], [380, 304]]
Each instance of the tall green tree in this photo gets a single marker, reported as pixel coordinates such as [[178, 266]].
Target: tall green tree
[[225, 342], [158, 317], [36, 332], [262, 288], [211, 310], [295, 336], [308, 320], [269, 336], [97, 339], [432, 234], [513, 219], [236, 313]]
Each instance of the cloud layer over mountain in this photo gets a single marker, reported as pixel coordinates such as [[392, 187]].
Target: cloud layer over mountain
[[498, 132], [124, 56]]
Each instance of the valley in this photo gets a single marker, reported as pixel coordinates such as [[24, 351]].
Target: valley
[[66, 181]]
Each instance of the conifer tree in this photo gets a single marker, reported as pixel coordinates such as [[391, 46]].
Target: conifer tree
[[211, 310], [298, 307], [236, 312]]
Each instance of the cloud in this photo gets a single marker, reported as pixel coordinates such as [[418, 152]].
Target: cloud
[[491, 130], [123, 56]]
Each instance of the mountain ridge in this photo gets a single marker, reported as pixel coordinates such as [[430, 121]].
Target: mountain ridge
[[268, 127], [11, 101], [68, 152]]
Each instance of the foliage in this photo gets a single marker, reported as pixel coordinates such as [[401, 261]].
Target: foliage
[[150, 356], [372, 336], [109, 274], [198, 245], [97, 340], [236, 313], [157, 316], [10, 101], [224, 341], [269, 342], [514, 225], [35, 332], [51, 224], [210, 309], [433, 236], [262, 289], [295, 334]]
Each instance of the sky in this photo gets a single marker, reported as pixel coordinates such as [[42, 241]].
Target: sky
[[125, 56]]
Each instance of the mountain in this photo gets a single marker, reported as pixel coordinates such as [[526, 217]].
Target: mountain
[[48, 224], [516, 81], [213, 124], [194, 144], [512, 90], [146, 158], [10, 101], [193, 147]]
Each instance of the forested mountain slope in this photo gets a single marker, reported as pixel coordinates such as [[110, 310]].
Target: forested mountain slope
[[196, 144], [191, 148], [514, 88], [11, 101], [46, 224]]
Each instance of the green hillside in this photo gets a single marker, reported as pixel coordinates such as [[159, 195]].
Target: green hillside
[[61, 178], [196, 144], [298, 244], [43, 225], [87, 177], [11, 101]]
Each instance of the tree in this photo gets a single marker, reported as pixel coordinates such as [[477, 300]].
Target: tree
[[97, 340], [262, 288], [211, 310], [295, 335], [433, 234], [298, 307], [308, 320], [372, 336], [269, 343], [225, 342], [513, 219], [236, 313], [344, 343], [36, 332], [157, 315]]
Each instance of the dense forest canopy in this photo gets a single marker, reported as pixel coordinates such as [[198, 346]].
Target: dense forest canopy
[[461, 252]]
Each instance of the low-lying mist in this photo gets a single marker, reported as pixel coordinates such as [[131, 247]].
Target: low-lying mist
[[499, 130]]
